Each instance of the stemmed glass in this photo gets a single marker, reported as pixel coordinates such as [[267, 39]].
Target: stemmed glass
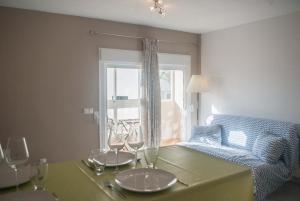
[[135, 140], [116, 142], [16, 154]]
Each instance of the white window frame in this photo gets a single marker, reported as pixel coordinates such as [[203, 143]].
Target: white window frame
[[117, 57]]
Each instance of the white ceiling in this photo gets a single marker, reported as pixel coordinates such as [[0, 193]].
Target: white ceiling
[[196, 16]]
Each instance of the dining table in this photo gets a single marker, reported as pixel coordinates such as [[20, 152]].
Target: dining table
[[200, 177]]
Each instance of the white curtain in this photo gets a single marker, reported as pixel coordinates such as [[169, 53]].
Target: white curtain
[[150, 111]]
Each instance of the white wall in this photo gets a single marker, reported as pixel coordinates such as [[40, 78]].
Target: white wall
[[255, 69]]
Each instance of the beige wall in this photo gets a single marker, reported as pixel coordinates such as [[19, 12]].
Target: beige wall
[[49, 72]]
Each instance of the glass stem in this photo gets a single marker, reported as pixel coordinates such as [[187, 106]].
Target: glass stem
[[135, 158], [117, 154], [17, 181]]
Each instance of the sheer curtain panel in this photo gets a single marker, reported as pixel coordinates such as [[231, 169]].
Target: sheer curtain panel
[[151, 101]]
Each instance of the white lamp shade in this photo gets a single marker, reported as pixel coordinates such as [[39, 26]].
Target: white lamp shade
[[197, 84]]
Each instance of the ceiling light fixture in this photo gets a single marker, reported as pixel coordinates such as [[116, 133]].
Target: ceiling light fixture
[[158, 7]]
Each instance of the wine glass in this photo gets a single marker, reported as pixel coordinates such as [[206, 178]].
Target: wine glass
[[1, 154], [116, 142], [135, 140], [16, 154]]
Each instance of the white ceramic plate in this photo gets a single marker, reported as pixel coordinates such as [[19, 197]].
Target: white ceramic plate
[[145, 180], [28, 196], [123, 158], [8, 178]]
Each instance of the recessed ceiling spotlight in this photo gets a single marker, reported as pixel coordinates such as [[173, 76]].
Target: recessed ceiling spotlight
[[158, 6]]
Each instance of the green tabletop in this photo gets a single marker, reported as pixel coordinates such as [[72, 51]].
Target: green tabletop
[[201, 177]]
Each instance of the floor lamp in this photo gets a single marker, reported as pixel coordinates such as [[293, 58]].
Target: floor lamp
[[197, 84]]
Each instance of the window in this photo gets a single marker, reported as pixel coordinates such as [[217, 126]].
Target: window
[[123, 93], [120, 92]]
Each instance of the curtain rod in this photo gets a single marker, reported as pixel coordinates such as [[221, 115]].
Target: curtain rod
[[94, 33]]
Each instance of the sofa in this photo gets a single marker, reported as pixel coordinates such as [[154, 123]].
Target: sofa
[[244, 138]]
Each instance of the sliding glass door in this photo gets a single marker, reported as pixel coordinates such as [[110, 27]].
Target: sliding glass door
[[123, 95], [172, 105], [120, 93]]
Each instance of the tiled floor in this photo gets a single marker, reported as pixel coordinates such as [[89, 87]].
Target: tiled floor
[[288, 192]]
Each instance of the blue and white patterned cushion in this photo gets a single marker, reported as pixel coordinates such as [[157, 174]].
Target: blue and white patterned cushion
[[268, 147], [207, 134]]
